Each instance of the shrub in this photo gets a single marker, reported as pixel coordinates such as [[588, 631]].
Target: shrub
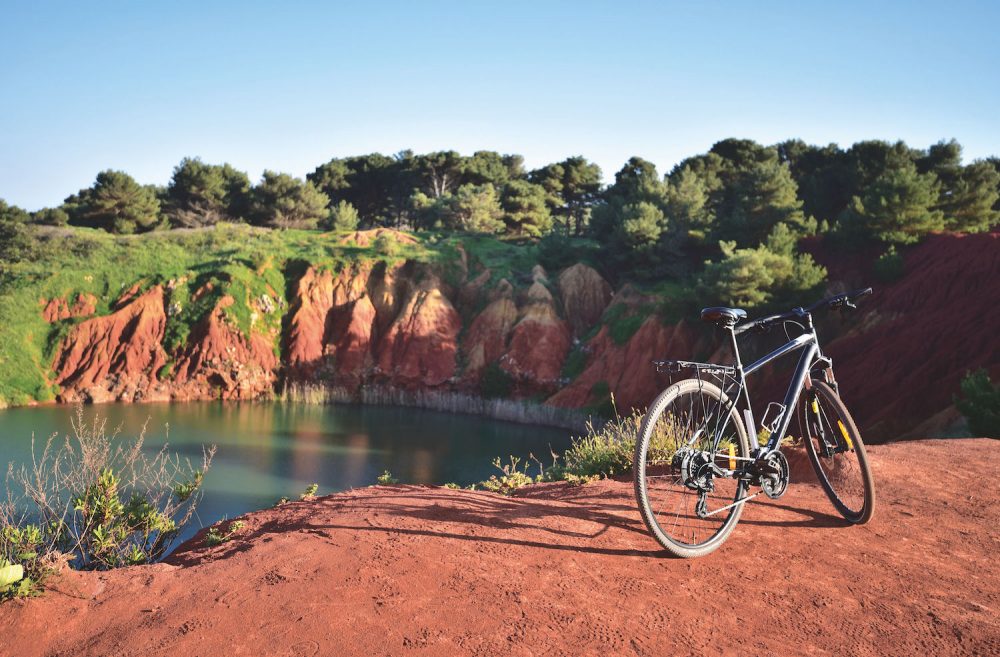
[[513, 475], [980, 404], [386, 479], [495, 382], [889, 266], [97, 502], [575, 363], [386, 246], [604, 451], [343, 216]]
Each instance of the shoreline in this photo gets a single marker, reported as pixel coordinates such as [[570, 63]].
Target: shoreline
[[505, 410]]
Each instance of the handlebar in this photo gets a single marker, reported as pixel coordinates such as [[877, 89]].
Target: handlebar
[[846, 300]]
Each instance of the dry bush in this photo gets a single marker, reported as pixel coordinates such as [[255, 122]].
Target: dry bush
[[96, 500]]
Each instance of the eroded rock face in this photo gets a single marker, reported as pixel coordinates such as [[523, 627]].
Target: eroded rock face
[[305, 347], [487, 337], [58, 309], [539, 341], [419, 347], [627, 369], [219, 362], [115, 357], [585, 295], [321, 301], [351, 333], [365, 238]]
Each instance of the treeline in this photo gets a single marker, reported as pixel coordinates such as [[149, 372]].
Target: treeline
[[731, 218]]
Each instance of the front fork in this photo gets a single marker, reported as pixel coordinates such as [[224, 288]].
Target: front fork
[[828, 444]]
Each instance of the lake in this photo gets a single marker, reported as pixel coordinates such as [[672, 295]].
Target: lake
[[271, 450]]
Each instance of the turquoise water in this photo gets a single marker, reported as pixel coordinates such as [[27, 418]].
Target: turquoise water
[[270, 450]]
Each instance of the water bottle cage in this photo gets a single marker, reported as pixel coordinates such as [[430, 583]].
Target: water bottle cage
[[775, 422]]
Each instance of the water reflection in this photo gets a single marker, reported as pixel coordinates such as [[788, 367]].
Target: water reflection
[[267, 451]]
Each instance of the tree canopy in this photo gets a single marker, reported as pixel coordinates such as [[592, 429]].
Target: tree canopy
[[202, 194], [732, 217], [116, 203], [282, 201]]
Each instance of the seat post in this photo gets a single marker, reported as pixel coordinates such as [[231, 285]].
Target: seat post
[[744, 391], [733, 346]]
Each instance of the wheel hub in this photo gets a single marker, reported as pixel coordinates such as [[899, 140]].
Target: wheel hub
[[695, 468]]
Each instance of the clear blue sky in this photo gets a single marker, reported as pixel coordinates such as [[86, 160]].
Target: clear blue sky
[[139, 85]]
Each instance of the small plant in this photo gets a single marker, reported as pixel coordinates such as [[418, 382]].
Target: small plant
[[309, 493], [980, 404], [513, 475], [452, 485], [579, 480], [386, 479], [604, 451], [215, 536]]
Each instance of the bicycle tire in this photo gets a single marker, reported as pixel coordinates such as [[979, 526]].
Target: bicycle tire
[[844, 474], [666, 401]]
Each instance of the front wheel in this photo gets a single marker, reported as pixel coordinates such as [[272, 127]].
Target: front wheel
[[690, 434], [838, 454]]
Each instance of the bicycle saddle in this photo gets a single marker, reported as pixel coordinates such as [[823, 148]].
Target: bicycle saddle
[[723, 316]]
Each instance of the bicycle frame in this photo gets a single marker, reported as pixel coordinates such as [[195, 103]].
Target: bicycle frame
[[737, 393], [810, 345]]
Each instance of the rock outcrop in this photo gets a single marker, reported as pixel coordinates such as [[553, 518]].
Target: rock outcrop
[[488, 336], [115, 357], [58, 309], [539, 341], [220, 362], [418, 350], [585, 294], [626, 370]]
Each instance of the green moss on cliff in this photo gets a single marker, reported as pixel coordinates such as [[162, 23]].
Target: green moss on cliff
[[247, 263]]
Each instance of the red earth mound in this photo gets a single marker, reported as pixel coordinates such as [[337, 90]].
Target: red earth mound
[[560, 570], [918, 337], [58, 309], [115, 357]]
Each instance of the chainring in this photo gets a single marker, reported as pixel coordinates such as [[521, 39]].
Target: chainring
[[775, 482]]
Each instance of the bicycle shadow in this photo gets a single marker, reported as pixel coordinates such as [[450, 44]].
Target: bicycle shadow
[[598, 521]]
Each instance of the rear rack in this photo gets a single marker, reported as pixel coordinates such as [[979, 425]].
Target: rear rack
[[675, 366]]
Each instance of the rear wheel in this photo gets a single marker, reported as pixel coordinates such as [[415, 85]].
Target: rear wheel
[[682, 498], [837, 453]]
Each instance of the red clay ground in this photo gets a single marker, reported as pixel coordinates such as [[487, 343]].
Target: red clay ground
[[561, 571]]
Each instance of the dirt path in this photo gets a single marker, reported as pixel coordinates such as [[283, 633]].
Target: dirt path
[[561, 571]]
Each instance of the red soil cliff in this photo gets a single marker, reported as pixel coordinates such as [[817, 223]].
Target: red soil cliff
[[114, 358], [899, 358], [220, 361]]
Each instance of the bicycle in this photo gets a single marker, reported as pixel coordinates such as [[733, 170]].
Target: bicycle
[[698, 452]]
